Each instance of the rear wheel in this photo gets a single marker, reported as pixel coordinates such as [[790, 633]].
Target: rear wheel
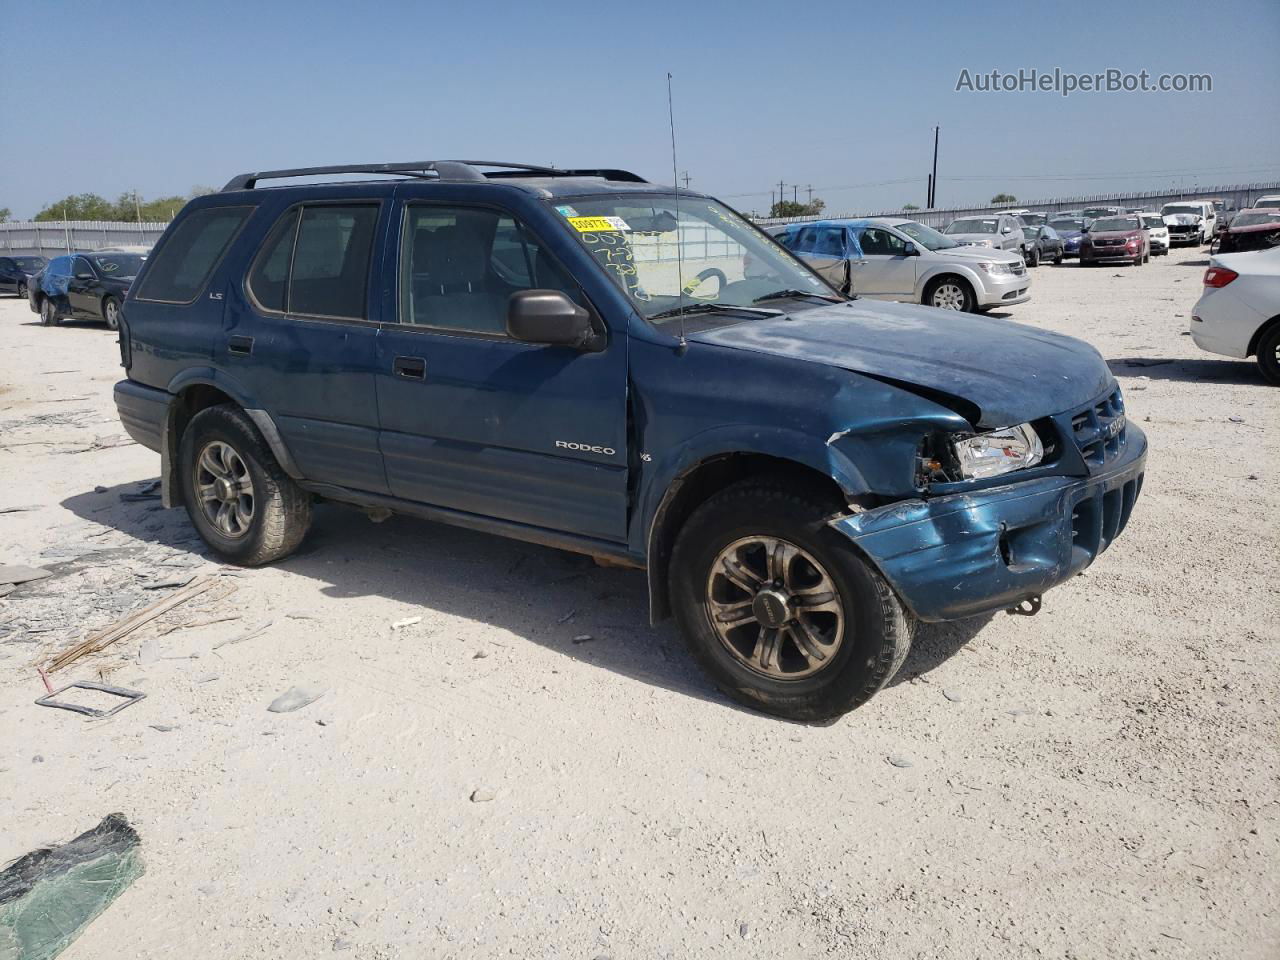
[[111, 313], [1269, 355], [22, 290], [247, 509], [1033, 258], [779, 609], [950, 293], [48, 313], [1057, 261]]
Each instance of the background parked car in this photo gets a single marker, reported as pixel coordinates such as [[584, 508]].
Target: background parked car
[[1092, 213], [84, 286], [1238, 314], [897, 259], [1071, 230], [1044, 244], [1270, 200], [1189, 221], [16, 273], [1034, 219], [1251, 230], [1000, 231], [1157, 232], [1115, 240]]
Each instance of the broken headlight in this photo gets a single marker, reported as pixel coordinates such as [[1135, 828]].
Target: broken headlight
[[997, 452]]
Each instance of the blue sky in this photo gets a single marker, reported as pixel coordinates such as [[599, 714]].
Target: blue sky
[[161, 96]]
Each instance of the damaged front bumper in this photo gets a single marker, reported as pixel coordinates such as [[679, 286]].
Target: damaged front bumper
[[970, 553]]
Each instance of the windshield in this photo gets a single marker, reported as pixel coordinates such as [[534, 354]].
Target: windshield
[[927, 237], [1152, 222], [1253, 218], [30, 264], [710, 258], [1169, 208], [118, 264], [1033, 219], [1115, 223], [1069, 225], [984, 225], [1268, 202]]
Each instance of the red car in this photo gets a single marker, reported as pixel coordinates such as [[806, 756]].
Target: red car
[[1251, 230], [1115, 240]]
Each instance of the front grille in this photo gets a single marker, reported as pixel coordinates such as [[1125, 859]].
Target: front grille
[[1098, 519], [1108, 243], [1099, 429], [1018, 268]]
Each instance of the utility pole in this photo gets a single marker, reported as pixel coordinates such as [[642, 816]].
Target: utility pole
[[933, 180], [781, 191], [795, 194], [809, 188], [686, 178], [928, 192]]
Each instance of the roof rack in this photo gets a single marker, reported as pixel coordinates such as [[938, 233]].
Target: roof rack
[[450, 170]]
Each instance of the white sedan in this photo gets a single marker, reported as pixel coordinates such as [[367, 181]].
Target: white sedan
[[1238, 315]]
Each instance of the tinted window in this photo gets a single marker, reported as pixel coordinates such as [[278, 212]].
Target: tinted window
[[182, 265], [882, 243], [270, 274], [330, 273], [80, 267], [459, 266], [7, 264]]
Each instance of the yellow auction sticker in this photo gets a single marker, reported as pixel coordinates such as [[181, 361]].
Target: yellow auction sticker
[[594, 224]]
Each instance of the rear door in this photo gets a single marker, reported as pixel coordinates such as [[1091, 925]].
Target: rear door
[[477, 422], [299, 333]]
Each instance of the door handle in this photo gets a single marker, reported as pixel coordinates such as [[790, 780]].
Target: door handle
[[240, 346], [410, 368]]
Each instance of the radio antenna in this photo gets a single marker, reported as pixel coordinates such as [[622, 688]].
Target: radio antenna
[[675, 179]]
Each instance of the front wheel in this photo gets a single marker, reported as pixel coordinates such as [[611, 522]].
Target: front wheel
[[111, 313], [1058, 260], [950, 293], [22, 291], [247, 509], [1269, 355], [779, 609]]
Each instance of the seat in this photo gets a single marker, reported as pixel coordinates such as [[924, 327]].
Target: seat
[[452, 284]]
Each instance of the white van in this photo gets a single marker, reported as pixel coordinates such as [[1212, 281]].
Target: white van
[[1190, 221]]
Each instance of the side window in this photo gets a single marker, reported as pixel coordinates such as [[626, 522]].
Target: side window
[[182, 265], [830, 242], [315, 262], [330, 274], [459, 266], [80, 267], [7, 264], [882, 243], [270, 274]]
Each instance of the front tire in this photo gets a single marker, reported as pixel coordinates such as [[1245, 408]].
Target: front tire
[[950, 293], [111, 313], [22, 291], [779, 609], [1269, 355], [245, 507]]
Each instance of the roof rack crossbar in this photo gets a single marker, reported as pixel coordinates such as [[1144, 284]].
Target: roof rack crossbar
[[452, 170]]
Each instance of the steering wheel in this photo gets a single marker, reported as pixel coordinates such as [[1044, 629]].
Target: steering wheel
[[706, 274]]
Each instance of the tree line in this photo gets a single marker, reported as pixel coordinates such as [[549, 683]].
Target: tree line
[[129, 206]]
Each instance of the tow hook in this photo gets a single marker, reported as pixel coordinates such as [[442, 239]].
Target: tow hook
[[1026, 608]]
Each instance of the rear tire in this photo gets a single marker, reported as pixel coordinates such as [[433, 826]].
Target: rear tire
[[48, 313], [22, 291], [1033, 260], [245, 507], [1269, 355], [1058, 260], [771, 527], [950, 293]]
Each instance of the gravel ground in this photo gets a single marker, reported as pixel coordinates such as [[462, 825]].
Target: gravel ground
[[1096, 781]]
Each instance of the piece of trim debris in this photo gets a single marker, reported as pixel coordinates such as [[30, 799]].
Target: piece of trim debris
[[130, 697], [20, 573], [122, 628], [248, 634], [171, 582], [406, 622], [25, 509]]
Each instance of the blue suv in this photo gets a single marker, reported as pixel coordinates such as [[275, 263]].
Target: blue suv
[[583, 359]]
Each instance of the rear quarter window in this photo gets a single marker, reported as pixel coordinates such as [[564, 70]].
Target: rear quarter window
[[182, 265]]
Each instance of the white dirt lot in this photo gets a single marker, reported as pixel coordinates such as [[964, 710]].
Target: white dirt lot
[[1097, 781]]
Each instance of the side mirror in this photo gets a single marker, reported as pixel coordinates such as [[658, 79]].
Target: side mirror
[[549, 317], [1006, 229], [910, 250]]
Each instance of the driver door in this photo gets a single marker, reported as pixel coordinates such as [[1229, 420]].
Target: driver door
[[885, 269], [82, 289]]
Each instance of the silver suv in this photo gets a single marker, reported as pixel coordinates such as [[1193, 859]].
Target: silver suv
[[1000, 231], [895, 259]]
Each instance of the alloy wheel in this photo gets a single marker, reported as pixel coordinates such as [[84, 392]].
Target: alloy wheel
[[949, 296], [111, 313], [225, 489], [775, 608]]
